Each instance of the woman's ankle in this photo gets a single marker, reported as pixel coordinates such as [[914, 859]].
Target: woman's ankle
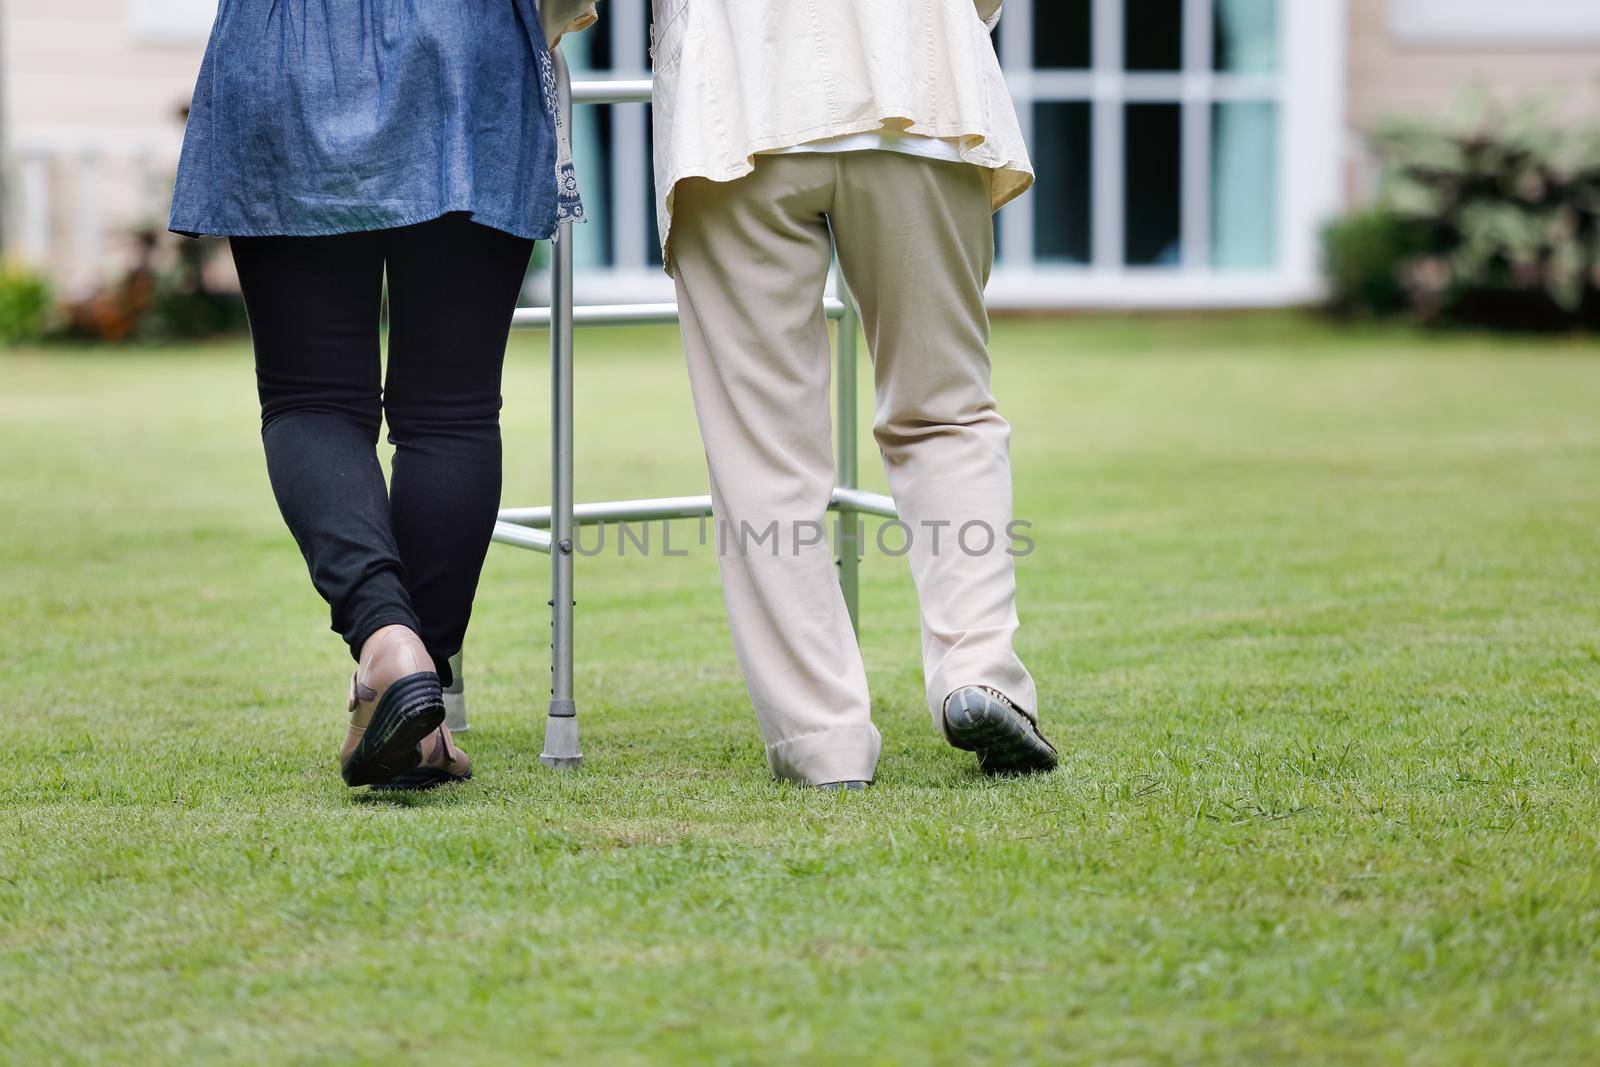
[[392, 652]]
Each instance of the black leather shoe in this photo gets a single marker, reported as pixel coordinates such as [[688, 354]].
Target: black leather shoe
[[1007, 741], [395, 702]]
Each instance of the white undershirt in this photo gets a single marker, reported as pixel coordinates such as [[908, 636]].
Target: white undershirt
[[909, 144]]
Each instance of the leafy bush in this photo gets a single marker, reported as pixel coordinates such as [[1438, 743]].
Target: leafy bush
[[152, 305], [1494, 220], [182, 311], [1363, 253], [25, 306], [183, 307]]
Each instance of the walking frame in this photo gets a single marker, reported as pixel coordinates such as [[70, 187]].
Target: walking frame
[[551, 529]]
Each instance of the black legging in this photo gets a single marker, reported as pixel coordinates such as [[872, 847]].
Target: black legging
[[412, 553]]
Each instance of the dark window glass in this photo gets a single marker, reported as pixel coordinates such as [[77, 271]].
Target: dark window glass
[[595, 180], [594, 244], [598, 41], [1061, 158], [1152, 34], [1154, 184], [1062, 37], [653, 249]]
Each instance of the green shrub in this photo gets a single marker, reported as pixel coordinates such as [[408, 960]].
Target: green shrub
[[25, 305], [151, 304], [1362, 257], [1494, 220], [181, 310]]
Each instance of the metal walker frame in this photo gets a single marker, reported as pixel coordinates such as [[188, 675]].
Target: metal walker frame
[[551, 529]]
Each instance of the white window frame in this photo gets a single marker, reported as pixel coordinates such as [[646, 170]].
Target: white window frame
[[1308, 90], [630, 162], [1495, 23], [169, 21], [631, 276]]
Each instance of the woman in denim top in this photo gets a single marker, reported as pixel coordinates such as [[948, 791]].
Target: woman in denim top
[[348, 150]]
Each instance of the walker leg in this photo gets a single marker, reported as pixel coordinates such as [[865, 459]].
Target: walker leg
[[845, 453], [561, 726], [455, 698]]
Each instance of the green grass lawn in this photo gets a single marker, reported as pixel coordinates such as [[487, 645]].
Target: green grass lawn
[[1315, 619]]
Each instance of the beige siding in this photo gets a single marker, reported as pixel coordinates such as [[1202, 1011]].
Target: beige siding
[[72, 63], [1388, 77], [77, 85], [1394, 78]]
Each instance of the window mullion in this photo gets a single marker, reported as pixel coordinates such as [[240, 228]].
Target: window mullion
[[629, 167], [1198, 18], [1016, 46], [1108, 182]]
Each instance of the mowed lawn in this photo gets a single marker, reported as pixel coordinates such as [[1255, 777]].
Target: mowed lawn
[[1315, 618]]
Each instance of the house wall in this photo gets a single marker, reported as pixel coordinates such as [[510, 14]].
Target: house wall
[[1397, 69], [93, 104], [93, 92]]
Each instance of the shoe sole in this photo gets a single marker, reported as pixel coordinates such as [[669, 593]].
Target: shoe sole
[[410, 710], [420, 780], [1006, 741]]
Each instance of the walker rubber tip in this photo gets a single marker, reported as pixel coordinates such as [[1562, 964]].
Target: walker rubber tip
[[561, 752]]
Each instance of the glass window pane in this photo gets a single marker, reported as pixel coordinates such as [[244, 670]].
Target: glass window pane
[[591, 152], [652, 249], [593, 243], [1153, 154], [598, 41], [1061, 35], [1244, 185], [1152, 35], [1061, 138], [1245, 37]]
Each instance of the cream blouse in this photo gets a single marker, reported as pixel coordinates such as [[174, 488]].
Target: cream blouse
[[736, 78]]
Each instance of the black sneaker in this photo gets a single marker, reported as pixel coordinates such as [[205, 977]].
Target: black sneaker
[[983, 720]]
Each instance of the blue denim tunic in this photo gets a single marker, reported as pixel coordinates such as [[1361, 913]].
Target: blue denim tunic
[[316, 117]]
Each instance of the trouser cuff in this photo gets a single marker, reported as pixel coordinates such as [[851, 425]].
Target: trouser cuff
[[1012, 679], [845, 755]]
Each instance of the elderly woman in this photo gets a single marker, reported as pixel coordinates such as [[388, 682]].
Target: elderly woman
[[348, 150], [880, 129]]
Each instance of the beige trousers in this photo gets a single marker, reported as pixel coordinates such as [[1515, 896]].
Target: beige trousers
[[750, 258]]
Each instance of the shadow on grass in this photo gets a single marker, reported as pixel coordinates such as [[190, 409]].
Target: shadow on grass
[[441, 795]]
